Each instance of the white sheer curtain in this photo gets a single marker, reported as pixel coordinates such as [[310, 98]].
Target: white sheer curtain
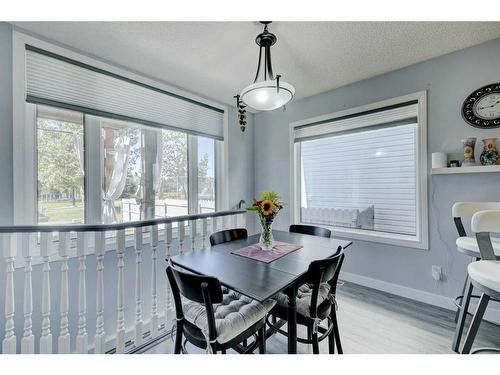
[[118, 178]]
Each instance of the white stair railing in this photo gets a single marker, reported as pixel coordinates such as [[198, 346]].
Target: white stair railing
[[82, 341], [54, 248], [28, 340], [168, 293], [120, 308], [9, 343], [63, 346], [46, 337], [99, 248], [138, 287], [154, 291]]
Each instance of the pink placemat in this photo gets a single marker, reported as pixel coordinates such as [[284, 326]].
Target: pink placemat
[[267, 256]]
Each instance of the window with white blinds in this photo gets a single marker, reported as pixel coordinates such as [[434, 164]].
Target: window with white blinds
[[58, 81], [360, 172]]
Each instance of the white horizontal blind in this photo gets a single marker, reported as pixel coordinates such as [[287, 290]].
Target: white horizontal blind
[[362, 179], [58, 81], [403, 113]]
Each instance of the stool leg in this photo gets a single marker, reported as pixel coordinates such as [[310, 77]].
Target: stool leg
[[476, 321], [457, 314], [462, 316]]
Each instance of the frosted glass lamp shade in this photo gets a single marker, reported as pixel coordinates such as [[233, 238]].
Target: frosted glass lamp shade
[[264, 96]]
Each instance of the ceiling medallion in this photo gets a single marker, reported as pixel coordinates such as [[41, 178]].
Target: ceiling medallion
[[267, 92]]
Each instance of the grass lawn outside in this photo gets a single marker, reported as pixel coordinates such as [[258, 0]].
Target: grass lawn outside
[[60, 211], [63, 211]]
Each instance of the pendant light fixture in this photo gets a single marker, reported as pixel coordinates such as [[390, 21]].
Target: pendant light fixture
[[267, 92]]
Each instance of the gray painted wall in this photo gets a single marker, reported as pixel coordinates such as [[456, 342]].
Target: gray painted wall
[[240, 162], [448, 80], [6, 123]]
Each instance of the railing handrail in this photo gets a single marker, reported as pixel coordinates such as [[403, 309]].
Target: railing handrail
[[111, 227]]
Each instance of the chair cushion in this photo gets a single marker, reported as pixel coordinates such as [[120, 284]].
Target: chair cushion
[[468, 245], [304, 294], [486, 273], [233, 315]]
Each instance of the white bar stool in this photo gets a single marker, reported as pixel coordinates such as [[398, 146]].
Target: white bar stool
[[484, 274], [469, 246]]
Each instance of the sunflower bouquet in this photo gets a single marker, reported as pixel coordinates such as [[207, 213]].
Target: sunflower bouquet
[[267, 208]]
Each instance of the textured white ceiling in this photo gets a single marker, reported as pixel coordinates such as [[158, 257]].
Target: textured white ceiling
[[217, 59]]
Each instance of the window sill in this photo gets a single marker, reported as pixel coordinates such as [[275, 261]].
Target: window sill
[[379, 237]]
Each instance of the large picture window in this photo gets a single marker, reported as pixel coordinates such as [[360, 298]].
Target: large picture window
[[96, 143], [144, 170], [363, 174]]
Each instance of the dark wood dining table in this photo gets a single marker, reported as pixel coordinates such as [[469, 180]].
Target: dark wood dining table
[[259, 280]]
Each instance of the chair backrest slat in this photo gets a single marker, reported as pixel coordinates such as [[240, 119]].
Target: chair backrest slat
[[311, 230], [190, 285], [228, 235], [327, 268]]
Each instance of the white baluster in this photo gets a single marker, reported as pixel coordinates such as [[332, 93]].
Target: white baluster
[[100, 248], [194, 232], [154, 292], [204, 231], [120, 319], [215, 224], [82, 339], [64, 336], [138, 287], [46, 337], [227, 222], [168, 295], [241, 220], [182, 234], [9, 253], [28, 340]]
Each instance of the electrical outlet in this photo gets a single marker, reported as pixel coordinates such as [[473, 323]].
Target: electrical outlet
[[437, 273]]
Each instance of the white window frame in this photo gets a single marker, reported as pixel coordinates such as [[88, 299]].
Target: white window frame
[[421, 239], [24, 135]]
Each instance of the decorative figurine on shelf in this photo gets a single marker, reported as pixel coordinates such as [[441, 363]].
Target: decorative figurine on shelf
[[489, 156], [454, 163], [469, 144]]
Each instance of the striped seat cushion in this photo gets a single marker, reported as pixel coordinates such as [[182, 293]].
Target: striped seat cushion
[[304, 294], [235, 314]]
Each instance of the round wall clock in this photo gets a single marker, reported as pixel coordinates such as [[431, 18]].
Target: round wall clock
[[481, 109]]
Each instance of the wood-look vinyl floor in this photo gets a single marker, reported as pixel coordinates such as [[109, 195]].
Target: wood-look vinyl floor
[[372, 321]]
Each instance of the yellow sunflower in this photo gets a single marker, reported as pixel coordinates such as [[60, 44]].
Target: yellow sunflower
[[267, 207]]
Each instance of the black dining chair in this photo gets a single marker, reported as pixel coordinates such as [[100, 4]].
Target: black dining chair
[[227, 236], [215, 318], [315, 303], [311, 230]]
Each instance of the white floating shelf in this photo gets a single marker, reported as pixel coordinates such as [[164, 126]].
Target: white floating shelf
[[474, 169]]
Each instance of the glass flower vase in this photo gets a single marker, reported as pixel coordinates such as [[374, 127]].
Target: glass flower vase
[[266, 241]]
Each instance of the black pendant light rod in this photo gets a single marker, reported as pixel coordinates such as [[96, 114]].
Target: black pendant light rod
[[265, 40], [258, 66], [269, 65]]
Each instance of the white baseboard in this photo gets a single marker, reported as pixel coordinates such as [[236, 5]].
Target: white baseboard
[[492, 313]]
